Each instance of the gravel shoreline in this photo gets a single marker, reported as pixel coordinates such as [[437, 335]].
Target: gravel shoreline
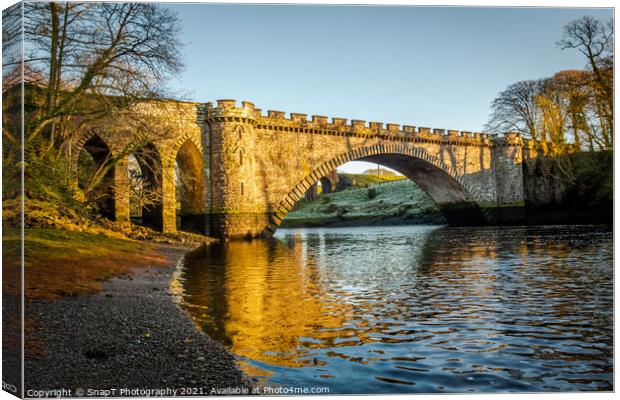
[[131, 335]]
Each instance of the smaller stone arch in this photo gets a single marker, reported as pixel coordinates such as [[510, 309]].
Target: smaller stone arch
[[73, 149], [171, 151], [452, 193], [146, 181], [92, 173], [326, 185], [329, 182]]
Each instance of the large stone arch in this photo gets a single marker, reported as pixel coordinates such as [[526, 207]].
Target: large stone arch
[[455, 197]]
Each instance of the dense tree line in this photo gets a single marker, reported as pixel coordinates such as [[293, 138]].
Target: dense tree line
[[572, 109]]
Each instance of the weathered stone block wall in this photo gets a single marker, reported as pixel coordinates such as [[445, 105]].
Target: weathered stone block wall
[[541, 184], [541, 187], [507, 166], [238, 224]]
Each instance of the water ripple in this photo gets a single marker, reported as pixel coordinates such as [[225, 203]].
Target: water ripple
[[413, 309]]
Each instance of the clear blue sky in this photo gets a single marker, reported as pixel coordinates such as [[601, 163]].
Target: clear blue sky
[[426, 66]]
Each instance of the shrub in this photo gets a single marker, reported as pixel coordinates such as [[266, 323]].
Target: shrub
[[332, 208]]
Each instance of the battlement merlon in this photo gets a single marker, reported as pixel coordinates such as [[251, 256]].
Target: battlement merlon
[[228, 109]]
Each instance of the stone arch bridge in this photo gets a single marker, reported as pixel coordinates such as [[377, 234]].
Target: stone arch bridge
[[240, 171]]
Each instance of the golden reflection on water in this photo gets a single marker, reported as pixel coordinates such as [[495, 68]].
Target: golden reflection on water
[[268, 311], [419, 308]]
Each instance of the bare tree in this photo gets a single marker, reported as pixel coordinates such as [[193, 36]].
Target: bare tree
[[515, 109], [145, 173], [11, 38], [97, 58], [94, 62], [595, 40], [572, 109]]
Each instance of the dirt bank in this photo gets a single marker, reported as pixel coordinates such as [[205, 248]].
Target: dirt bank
[[128, 334]]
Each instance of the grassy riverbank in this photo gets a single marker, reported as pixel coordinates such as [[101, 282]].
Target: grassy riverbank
[[394, 202], [68, 253], [66, 263]]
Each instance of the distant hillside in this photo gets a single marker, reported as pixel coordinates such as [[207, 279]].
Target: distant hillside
[[381, 172], [364, 180], [398, 202]]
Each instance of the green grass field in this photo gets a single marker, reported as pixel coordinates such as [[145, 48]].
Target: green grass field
[[366, 180], [394, 202]]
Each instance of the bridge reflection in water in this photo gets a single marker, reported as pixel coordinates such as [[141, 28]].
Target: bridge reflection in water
[[412, 309]]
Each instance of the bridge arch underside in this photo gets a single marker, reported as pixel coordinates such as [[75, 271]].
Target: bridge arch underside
[[327, 186], [94, 175], [189, 188], [145, 180], [455, 200]]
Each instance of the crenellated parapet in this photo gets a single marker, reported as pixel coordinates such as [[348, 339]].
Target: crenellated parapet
[[227, 110]]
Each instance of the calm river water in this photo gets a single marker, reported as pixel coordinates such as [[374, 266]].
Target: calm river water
[[412, 309]]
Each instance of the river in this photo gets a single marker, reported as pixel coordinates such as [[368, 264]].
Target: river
[[426, 309]]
